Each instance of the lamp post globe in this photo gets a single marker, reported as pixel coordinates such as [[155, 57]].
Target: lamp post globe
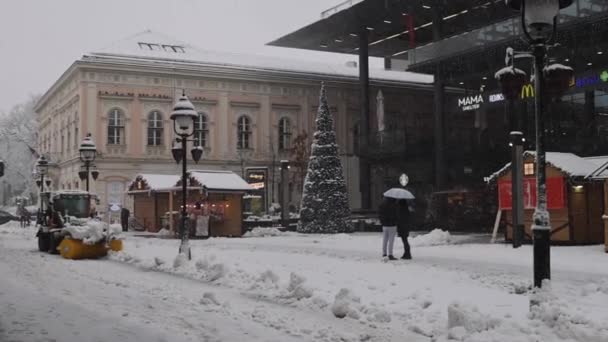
[[539, 17], [88, 150], [42, 166], [183, 116]]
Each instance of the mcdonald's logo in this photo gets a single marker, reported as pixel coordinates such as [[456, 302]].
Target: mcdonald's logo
[[527, 91]]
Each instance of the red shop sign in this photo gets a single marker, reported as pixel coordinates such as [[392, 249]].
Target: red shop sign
[[556, 193]]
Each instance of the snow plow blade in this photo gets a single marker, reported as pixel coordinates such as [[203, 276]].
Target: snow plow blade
[[76, 249]]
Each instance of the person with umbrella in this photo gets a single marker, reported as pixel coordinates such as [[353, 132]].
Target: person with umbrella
[[403, 226], [402, 217]]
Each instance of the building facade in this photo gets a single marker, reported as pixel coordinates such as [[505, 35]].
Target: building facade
[[251, 110]]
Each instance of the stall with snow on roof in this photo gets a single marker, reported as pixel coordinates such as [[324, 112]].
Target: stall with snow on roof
[[214, 202], [575, 197]]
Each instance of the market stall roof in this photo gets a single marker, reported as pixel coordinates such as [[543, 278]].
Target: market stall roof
[[220, 180], [569, 163], [214, 181], [159, 182]]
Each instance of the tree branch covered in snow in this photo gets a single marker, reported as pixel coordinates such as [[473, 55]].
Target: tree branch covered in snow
[[18, 139]]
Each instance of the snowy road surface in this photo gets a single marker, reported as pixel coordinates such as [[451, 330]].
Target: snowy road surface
[[291, 287]]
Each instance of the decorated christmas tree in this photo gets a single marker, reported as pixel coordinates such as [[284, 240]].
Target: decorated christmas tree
[[324, 199]]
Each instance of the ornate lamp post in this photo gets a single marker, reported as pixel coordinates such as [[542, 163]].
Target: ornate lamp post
[[183, 117], [285, 193], [88, 152], [539, 22], [42, 167]]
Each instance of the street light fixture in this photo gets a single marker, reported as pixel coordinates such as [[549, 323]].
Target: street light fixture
[[42, 167], [183, 117], [285, 193], [88, 152], [539, 23]]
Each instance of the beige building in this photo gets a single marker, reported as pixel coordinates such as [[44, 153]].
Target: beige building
[[250, 109]]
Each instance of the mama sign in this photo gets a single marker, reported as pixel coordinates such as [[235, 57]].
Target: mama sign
[[470, 102]]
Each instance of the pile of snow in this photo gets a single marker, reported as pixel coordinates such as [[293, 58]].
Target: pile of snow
[[263, 218], [465, 319], [115, 229], [209, 299], [164, 232], [90, 233], [345, 304], [296, 287], [436, 237], [263, 231]]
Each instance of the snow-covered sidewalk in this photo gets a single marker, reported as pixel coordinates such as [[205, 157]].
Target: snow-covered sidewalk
[[293, 287]]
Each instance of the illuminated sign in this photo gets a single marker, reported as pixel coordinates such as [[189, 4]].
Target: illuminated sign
[[587, 81], [496, 97], [470, 102], [527, 91], [590, 80], [258, 180], [258, 186]]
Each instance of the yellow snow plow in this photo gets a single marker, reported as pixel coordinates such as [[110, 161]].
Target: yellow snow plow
[[77, 249], [66, 228]]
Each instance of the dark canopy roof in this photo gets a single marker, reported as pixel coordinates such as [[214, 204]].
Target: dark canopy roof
[[475, 30], [338, 27]]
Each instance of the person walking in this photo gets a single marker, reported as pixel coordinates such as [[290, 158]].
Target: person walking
[[124, 219], [403, 226], [388, 218]]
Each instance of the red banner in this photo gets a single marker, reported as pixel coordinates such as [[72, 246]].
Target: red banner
[[409, 24], [556, 193]]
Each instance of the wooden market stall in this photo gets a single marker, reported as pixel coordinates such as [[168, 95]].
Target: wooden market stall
[[214, 199], [575, 197]]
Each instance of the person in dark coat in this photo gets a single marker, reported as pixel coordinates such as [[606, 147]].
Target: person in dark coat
[[403, 226], [124, 219], [387, 213]]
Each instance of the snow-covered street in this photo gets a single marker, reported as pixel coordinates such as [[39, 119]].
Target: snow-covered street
[[291, 287]]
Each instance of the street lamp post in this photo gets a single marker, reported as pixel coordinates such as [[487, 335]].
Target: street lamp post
[[285, 193], [539, 23], [183, 117], [42, 167], [88, 152]]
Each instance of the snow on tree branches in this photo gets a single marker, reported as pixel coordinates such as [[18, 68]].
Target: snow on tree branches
[[324, 198]]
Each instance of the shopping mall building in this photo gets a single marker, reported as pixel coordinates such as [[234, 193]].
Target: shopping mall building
[[463, 44]]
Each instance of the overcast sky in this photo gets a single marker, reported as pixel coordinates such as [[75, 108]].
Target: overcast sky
[[39, 39]]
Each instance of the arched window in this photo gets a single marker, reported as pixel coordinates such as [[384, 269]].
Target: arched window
[[201, 130], [243, 132], [284, 134], [116, 127], [155, 129]]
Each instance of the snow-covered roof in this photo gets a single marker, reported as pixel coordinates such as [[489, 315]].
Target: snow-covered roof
[[221, 180], [156, 46], [159, 182], [212, 180], [568, 163]]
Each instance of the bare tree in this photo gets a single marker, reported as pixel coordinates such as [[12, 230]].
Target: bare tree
[[300, 153]]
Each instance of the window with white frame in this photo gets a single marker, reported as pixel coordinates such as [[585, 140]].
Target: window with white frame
[[155, 128], [284, 134], [201, 128], [243, 132], [116, 127]]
